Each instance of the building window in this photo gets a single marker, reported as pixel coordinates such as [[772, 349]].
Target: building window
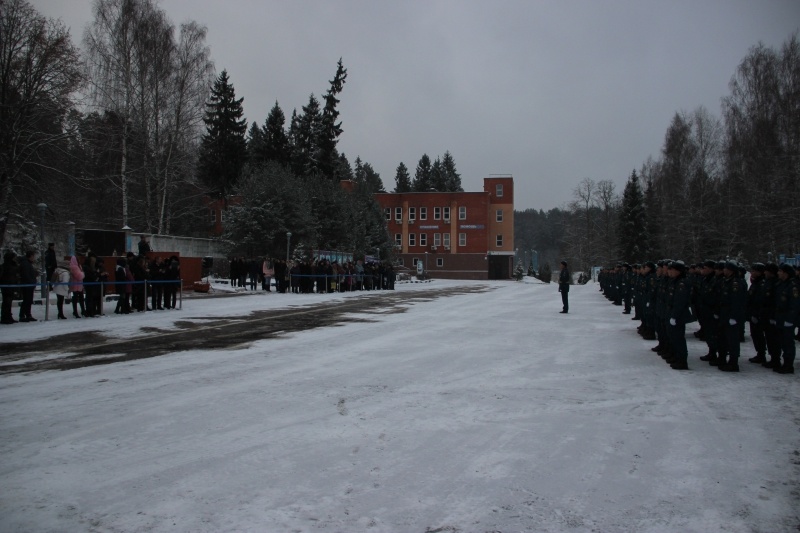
[[221, 216], [462, 239], [423, 213], [437, 213], [412, 239], [446, 240], [499, 215], [462, 212], [499, 241], [213, 216], [498, 190], [398, 213], [414, 261], [388, 213], [446, 212], [423, 239], [398, 239], [437, 239], [439, 261], [412, 213]]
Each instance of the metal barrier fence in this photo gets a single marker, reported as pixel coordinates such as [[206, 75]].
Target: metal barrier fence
[[46, 289]]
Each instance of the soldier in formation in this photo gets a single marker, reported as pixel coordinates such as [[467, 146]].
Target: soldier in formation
[[668, 295]]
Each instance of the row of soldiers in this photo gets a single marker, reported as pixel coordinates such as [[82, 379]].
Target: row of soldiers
[[666, 295]]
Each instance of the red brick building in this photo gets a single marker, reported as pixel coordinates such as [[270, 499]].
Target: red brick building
[[456, 235]]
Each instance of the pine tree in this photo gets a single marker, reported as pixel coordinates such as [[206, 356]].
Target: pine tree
[[223, 148], [402, 179], [634, 241], [366, 178], [422, 177]]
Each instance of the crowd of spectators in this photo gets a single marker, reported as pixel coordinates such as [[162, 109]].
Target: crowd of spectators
[[310, 276]]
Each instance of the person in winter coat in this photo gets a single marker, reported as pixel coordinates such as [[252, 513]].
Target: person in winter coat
[[122, 279], [563, 286], [266, 274], [10, 276], [27, 278], [173, 275], [76, 287], [60, 281], [91, 290]]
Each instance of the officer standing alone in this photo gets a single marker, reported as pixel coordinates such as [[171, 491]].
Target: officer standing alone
[[563, 286]]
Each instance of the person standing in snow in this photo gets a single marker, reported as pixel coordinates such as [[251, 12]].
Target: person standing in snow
[[787, 310], [678, 300], [563, 286]]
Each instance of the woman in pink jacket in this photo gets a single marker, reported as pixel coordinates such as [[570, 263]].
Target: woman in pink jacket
[[76, 286]]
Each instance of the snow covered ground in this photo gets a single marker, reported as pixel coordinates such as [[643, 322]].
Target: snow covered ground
[[484, 411]]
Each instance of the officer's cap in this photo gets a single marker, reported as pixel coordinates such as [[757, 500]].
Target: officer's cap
[[678, 265], [771, 267], [651, 265], [757, 267], [710, 264], [732, 265]]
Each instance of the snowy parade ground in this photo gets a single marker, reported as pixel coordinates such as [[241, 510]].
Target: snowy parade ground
[[478, 408]]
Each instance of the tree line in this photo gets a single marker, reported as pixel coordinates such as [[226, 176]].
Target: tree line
[[136, 129], [726, 186]]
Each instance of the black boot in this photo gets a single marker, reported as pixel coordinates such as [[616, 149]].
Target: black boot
[[711, 355], [759, 358]]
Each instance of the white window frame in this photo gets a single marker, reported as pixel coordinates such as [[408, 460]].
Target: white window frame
[[462, 212], [412, 213], [423, 213], [398, 239], [437, 239], [388, 213], [446, 213], [412, 239], [398, 213], [498, 190], [446, 240], [498, 241], [440, 262], [462, 239], [423, 239], [498, 215], [213, 216], [437, 213]]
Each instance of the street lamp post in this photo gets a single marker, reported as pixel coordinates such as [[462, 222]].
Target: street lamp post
[[288, 244], [42, 208]]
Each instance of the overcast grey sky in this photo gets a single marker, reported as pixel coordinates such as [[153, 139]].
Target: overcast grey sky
[[549, 91]]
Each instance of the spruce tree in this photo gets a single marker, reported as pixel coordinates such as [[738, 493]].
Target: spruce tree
[[330, 129], [305, 132], [223, 148], [276, 142], [634, 241], [255, 145], [402, 179], [452, 179], [422, 177], [438, 179]]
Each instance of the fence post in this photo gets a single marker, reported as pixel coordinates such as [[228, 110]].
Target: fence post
[[180, 306], [47, 300]]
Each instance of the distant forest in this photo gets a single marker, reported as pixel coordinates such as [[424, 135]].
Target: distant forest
[[721, 187]]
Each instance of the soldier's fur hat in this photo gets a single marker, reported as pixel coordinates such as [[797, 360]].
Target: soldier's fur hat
[[789, 269], [758, 267], [771, 267], [710, 264]]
